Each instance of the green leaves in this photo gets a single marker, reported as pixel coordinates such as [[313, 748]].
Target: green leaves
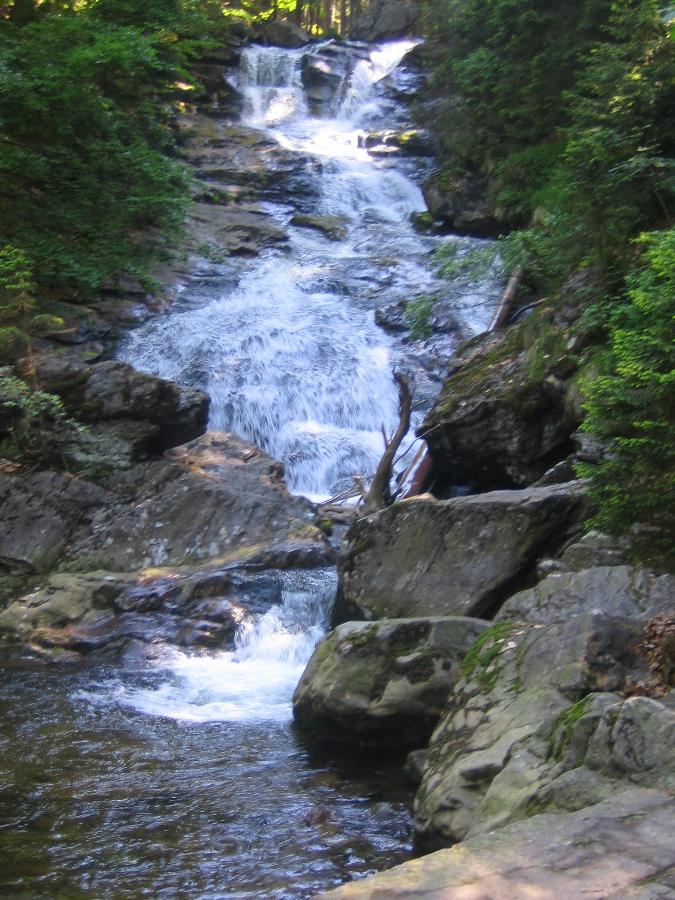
[[633, 408]]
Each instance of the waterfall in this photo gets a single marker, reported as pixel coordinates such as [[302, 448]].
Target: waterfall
[[291, 356]]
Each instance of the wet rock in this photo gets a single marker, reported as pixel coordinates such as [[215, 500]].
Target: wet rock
[[451, 557], [282, 34], [321, 78], [618, 848], [392, 317], [109, 391], [383, 683], [413, 142], [386, 20], [108, 615], [233, 230], [460, 203], [333, 227]]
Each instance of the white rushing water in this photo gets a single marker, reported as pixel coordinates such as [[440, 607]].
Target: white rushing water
[[252, 683], [292, 358]]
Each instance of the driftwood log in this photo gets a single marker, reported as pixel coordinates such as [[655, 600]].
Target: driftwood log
[[379, 493]]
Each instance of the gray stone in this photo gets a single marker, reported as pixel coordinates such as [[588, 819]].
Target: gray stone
[[494, 753], [619, 848], [385, 20], [385, 682], [617, 590], [450, 557]]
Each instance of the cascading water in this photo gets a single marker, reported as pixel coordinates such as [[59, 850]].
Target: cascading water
[[292, 358]]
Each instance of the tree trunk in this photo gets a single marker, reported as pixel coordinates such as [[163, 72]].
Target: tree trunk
[[328, 15]]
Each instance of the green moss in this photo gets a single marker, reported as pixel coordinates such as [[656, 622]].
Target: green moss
[[561, 732], [482, 660]]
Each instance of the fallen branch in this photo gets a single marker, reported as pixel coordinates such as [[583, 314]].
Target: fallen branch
[[506, 303], [379, 494]]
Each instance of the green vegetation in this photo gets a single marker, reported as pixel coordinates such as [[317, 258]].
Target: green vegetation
[[417, 315], [562, 730], [566, 123], [482, 661], [632, 408]]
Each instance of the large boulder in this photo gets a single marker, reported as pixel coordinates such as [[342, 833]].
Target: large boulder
[[386, 20], [522, 718], [511, 405], [210, 498], [621, 848], [321, 77], [282, 34], [427, 557], [461, 204], [385, 682], [114, 391], [206, 499]]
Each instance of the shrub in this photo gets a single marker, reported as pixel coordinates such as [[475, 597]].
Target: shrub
[[632, 408]]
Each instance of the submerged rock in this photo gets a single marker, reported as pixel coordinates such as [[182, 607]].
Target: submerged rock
[[451, 557], [385, 682]]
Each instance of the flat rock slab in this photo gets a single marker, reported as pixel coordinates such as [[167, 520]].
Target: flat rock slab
[[617, 849], [385, 682], [428, 557]]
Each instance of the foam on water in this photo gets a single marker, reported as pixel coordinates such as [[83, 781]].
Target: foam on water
[[252, 683]]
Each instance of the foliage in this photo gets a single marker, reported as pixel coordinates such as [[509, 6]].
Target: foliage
[[88, 181], [417, 315], [16, 284], [632, 408], [473, 264], [34, 424]]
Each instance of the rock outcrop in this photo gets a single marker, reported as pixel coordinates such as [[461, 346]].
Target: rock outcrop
[[386, 20], [518, 734], [511, 405], [621, 848], [383, 683], [425, 557]]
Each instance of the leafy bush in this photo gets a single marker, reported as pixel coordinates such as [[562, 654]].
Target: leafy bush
[[632, 409], [16, 284]]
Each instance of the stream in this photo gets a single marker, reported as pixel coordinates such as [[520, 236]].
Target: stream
[[187, 778]]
